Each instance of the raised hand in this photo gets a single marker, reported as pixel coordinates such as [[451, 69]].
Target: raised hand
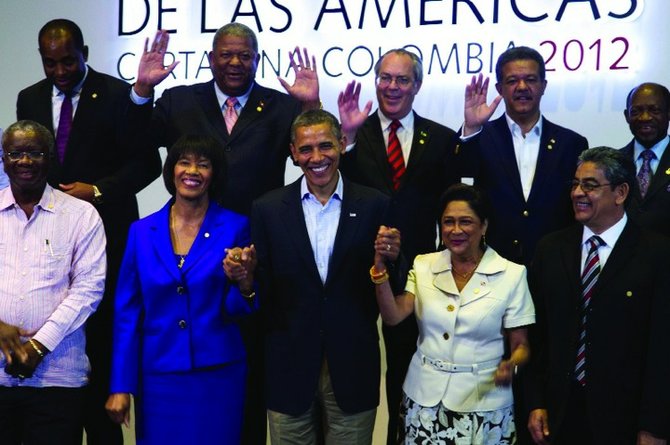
[[305, 87], [475, 109], [351, 116], [152, 69]]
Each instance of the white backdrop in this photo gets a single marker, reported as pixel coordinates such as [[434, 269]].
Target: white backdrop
[[596, 50]]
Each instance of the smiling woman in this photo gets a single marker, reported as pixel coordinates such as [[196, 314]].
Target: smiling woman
[[177, 348]]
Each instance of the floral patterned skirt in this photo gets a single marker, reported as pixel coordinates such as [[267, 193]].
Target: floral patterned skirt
[[437, 425]]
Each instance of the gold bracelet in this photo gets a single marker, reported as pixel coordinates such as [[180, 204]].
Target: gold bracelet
[[36, 348], [383, 279], [376, 274]]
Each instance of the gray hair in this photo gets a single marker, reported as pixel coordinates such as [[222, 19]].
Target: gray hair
[[238, 30], [417, 64], [617, 167], [44, 137]]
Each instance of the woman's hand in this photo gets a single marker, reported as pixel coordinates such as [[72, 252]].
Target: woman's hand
[[239, 265], [118, 408], [505, 373], [387, 246]]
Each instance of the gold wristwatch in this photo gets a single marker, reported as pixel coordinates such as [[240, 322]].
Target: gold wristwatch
[[97, 196]]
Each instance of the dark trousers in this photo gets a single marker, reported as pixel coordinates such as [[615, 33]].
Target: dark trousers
[[400, 343], [254, 426], [41, 416]]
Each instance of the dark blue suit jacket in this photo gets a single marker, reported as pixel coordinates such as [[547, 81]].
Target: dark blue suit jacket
[[169, 320], [652, 211], [255, 152], [414, 205], [308, 321], [627, 360], [516, 225]]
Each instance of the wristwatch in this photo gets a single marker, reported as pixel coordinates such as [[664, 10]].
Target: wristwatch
[[97, 195]]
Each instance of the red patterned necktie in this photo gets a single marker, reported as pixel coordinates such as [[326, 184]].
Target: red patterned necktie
[[589, 278], [64, 126], [230, 115], [644, 175], [394, 153]]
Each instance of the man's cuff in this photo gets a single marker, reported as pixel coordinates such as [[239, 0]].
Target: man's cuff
[[137, 99]]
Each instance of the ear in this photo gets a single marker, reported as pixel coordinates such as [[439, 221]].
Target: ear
[[417, 87], [499, 88], [485, 226], [622, 191], [626, 115], [294, 154], [84, 53]]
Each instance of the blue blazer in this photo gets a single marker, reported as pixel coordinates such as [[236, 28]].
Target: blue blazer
[[169, 320], [517, 225]]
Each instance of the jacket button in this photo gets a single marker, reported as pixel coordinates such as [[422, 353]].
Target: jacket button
[[515, 242], [525, 213], [451, 308], [180, 290], [182, 324], [445, 336]]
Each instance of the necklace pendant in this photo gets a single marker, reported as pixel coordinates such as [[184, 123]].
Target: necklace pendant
[[181, 262]]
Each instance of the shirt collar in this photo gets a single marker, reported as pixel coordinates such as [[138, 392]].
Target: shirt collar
[[515, 128], [77, 88], [46, 202], [405, 122], [658, 148], [337, 194], [610, 236], [222, 97]]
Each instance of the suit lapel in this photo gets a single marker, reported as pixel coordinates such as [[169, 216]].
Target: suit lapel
[[420, 141], [90, 95], [296, 229], [661, 177], [547, 159], [350, 216], [619, 256], [503, 151], [373, 138], [206, 98], [571, 255], [161, 241], [210, 230], [253, 109]]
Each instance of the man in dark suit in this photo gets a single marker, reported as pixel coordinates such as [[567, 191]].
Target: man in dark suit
[[414, 193], [98, 161], [647, 113], [521, 160], [599, 362], [251, 122], [315, 242]]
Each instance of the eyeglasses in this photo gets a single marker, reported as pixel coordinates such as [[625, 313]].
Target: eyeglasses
[[384, 80], [586, 186], [32, 155]]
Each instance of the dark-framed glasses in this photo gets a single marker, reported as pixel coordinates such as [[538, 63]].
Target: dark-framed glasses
[[384, 80], [587, 186], [32, 155]]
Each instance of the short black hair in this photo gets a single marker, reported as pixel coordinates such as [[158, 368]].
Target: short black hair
[[474, 196], [316, 117], [663, 90], [205, 146], [71, 27], [519, 53]]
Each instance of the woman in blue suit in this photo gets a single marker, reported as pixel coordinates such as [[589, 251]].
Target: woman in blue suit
[[177, 348]]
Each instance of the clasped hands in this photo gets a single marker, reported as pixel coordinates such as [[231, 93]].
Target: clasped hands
[[239, 265], [22, 359], [387, 246]]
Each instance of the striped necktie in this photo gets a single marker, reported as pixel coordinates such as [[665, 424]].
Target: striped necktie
[[394, 153], [589, 278], [230, 115]]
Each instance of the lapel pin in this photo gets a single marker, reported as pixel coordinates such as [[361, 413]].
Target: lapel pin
[[423, 133], [260, 106], [552, 140], [550, 146], [457, 149], [421, 141], [206, 234], [629, 294], [667, 172], [352, 215], [94, 95]]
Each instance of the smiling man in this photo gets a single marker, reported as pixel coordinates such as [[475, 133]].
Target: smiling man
[[404, 156], [315, 242], [648, 114], [53, 263], [599, 362]]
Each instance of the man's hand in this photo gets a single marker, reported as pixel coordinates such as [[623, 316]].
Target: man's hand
[[475, 111], [351, 116], [646, 438], [538, 425], [305, 87], [152, 69], [118, 408], [79, 190], [10, 341], [387, 246]]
